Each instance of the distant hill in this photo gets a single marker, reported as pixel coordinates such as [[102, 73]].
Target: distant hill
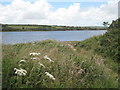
[[33, 27]]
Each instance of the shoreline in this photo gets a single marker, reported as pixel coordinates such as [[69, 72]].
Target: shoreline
[[53, 30], [42, 41]]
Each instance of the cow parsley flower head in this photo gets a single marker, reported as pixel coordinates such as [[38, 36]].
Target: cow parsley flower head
[[46, 57], [22, 61], [20, 72], [41, 65], [50, 75], [34, 54], [20, 64], [34, 58]]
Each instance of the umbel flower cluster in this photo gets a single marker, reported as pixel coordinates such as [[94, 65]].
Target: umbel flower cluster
[[20, 72], [23, 72]]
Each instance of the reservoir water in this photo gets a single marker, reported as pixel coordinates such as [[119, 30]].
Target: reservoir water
[[32, 36]]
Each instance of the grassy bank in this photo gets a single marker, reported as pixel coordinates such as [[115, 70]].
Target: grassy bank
[[72, 67]]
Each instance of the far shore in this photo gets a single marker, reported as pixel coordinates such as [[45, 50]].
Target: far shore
[[48, 31], [8, 27]]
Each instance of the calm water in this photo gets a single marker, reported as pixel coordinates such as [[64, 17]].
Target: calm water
[[23, 37]]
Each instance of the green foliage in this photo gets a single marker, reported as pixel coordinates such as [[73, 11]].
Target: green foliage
[[70, 68], [106, 45], [105, 24], [115, 24]]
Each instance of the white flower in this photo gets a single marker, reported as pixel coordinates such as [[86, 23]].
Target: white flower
[[50, 75], [22, 61], [46, 57], [20, 72], [41, 65], [34, 54], [20, 64], [34, 58]]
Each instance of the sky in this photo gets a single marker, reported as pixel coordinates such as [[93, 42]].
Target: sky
[[58, 12]]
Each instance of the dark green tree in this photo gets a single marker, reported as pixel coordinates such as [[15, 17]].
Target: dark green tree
[[105, 24]]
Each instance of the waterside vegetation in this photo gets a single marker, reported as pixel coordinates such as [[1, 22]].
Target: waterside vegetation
[[92, 63]]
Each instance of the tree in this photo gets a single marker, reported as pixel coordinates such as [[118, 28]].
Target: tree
[[22, 27], [105, 24]]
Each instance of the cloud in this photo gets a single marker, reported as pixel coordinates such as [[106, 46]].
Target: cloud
[[39, 12], [62, 0]]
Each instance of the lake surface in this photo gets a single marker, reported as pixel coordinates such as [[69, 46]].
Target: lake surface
[[32, 36]]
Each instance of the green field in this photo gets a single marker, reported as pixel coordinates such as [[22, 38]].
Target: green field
[[20, 27]]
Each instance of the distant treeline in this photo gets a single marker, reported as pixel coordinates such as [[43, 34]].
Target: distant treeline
[[32, 27]]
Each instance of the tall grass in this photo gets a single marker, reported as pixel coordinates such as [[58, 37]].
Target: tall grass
[[71, 69], [105, 45]]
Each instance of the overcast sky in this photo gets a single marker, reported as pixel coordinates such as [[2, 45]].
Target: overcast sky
[[58, 12]]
